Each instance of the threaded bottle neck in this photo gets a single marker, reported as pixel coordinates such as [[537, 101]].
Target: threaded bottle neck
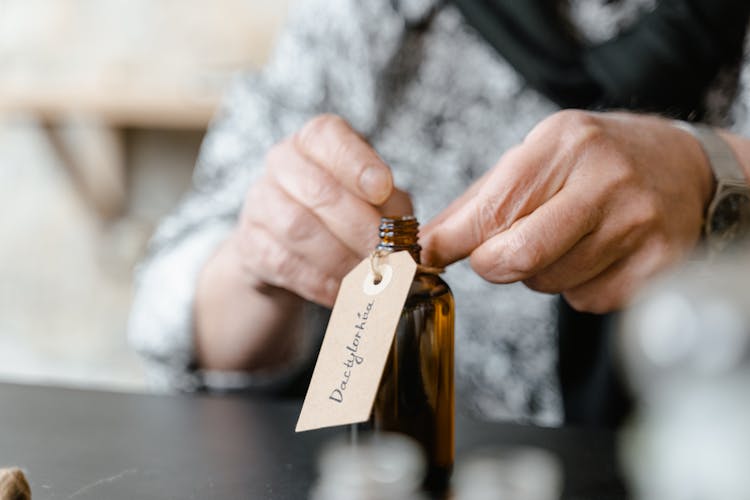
[[400, 233]]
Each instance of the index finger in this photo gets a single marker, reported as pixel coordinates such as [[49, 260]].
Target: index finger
[[522, 180], [329, 141], [537, 240]]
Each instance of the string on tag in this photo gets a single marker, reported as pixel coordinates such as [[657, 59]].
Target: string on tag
[[377, 255]]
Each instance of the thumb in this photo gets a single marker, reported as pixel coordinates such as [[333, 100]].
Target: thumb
[[452, 238], [447, 238], [399, 203]]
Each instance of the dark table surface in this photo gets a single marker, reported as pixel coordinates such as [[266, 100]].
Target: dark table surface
[[78, 444]]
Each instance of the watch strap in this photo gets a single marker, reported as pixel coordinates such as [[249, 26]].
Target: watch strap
[[719, 230], [720, 156]]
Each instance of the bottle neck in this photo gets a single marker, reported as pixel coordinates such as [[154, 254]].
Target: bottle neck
[[400, 233]]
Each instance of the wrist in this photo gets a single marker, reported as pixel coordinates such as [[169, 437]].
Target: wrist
[[216, 281], [240, 323]]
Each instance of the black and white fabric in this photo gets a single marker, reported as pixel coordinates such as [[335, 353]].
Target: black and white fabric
[[440, 105]]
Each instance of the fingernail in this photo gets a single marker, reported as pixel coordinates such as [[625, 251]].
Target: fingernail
[[375, 182]]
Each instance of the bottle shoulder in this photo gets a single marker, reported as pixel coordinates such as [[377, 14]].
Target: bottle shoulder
[[428, 284]]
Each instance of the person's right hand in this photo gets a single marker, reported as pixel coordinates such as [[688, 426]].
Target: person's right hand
[[313, 215], [306, 222]]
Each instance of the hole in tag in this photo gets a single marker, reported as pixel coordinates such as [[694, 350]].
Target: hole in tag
[[373, 286]]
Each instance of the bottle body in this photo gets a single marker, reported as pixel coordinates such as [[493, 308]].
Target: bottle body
[[416, 394]]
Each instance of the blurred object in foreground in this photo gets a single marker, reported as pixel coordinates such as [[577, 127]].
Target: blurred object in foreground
[[692, 327], [384, 466], [513, 473], [13, 485], [686, 347], [694, 445]]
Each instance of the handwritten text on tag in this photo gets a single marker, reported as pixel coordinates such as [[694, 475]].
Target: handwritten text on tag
[[356, 344]]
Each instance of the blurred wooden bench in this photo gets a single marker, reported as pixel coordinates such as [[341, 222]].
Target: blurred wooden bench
[[90, 70]]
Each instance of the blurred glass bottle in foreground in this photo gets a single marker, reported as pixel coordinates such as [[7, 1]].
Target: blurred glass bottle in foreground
[[508, 473], [416, 395], [686, 346], [384, 466]]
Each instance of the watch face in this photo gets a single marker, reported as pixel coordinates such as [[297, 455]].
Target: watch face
[[730, 220]]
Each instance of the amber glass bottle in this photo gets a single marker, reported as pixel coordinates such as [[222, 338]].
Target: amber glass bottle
[[416, 395]]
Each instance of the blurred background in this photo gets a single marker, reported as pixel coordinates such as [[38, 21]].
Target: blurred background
[[103, 105]]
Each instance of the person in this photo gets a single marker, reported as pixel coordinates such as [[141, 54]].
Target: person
[[462, 113]]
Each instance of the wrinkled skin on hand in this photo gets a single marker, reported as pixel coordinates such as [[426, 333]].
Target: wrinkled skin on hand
[[311, 217], [305, 223], [590, 205]]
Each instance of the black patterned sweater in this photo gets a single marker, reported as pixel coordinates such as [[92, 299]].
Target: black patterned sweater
[[440, 106]]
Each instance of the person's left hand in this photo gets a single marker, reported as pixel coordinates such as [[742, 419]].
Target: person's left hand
[[590, 205]]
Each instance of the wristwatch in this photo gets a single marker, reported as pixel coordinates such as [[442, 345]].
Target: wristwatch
[[727, 220]]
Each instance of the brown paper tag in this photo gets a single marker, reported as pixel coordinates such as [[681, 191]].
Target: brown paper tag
[[356, 344]]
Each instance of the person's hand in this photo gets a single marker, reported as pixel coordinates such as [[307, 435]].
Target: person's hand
[[313, 215], [306, 222], [590, 205]]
